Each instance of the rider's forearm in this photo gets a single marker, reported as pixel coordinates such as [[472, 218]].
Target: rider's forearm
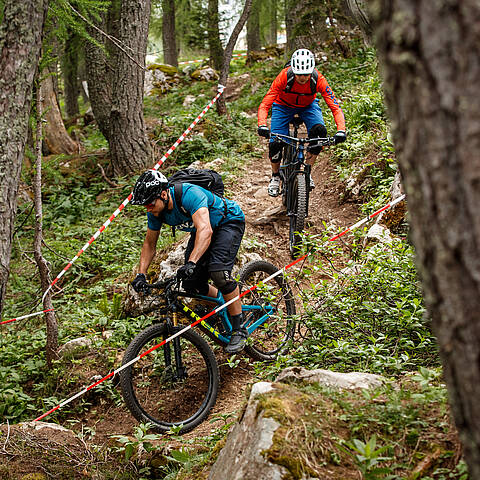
[[148, 250], [146, 257], [203, 238]]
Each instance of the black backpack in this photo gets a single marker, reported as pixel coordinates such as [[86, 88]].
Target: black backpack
[[208, 179], [291, 79]]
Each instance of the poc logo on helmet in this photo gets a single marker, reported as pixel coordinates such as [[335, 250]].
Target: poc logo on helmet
[[150, 184]]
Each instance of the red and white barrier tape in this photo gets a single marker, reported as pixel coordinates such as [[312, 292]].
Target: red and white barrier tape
[[127, 200], [187, 62], [213, 312], [26, 316]]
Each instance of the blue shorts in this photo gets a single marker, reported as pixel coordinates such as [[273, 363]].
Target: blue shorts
[[281, 116]]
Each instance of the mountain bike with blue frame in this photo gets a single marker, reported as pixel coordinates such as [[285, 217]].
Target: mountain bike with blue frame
[[295, 177], [175, 385]]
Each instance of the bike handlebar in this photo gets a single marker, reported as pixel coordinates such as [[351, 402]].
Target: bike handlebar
[[318, 140], [164, 284]]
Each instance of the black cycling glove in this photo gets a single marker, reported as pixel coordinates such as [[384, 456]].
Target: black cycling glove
[[340, 137], [186, 271], [139, 284], [264, 131]]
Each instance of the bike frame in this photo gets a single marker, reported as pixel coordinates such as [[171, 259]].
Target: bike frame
[[294, 166], [222, 314]]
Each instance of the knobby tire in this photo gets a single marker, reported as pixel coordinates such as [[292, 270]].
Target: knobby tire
[[157, 391], [298, 213], [273, 336]]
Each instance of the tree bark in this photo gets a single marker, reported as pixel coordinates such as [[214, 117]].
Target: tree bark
[[293, 9], [116, 84], [272, 37], [359, 12], [170, 54], [99, 66], [227, 55], [129, 145], [430, 59], [20, 41], [214, 43], [253, 28], [71, 83], [56, 137], [50, 318]]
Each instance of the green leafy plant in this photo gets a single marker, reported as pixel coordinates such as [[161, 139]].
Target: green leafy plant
[[141, 441], [368, 456]]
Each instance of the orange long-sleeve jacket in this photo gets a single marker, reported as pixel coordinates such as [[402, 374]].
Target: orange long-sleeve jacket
[[277, 94]]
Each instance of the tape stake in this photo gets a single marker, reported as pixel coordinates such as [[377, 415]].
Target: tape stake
[[216, 310]]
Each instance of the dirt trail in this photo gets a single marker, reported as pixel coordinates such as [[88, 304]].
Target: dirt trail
[[250, 191]]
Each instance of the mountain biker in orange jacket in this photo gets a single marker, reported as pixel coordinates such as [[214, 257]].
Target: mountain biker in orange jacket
[[293, 92]]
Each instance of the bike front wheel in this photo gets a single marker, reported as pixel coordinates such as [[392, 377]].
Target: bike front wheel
[[272, 304], [174, 385], [298, 213]]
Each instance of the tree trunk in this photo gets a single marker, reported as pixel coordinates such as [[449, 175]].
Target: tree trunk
[[272, 37], [116, 84], [429, 54], [293, 10], [170, 54], [52, 326], [129, 146], [214, 43], [100, 68], [56, 136], [71, 84], [227, 55], [253, 28], [358, 11], [20, 41]]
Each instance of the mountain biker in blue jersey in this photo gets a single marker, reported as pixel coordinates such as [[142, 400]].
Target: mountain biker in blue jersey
[[216, 225]]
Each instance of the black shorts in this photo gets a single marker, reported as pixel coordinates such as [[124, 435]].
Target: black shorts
[[221, 253]]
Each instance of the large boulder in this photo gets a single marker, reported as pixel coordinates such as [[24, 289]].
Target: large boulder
[[241, 458], [330, 379], [253, 449]]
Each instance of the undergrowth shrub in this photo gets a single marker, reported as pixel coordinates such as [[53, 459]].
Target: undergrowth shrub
[[368, 317]]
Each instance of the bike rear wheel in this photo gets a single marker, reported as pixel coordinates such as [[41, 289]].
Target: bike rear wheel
[[173, 385], [277, 300], [298, 213]]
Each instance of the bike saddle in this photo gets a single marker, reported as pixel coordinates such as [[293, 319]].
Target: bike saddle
[[296, 121]]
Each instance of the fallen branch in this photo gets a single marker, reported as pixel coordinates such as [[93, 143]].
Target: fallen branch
[[104, 176]]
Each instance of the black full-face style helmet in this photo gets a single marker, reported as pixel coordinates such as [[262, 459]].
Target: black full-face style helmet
[[148, 188]]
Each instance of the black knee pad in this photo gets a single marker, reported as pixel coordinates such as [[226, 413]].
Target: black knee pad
[[317, 131], [223, 281], [192, 286], [275, 152]]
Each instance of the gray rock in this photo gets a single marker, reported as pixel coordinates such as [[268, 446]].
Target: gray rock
[[241, 458], [328, 378], [188, 100], [379, 233], [76, 344], [173, 262]]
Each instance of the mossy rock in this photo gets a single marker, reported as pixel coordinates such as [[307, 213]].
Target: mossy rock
[[34, 476], [167, 69]]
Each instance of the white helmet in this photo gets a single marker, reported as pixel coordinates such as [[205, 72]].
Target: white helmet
[[303, 62]]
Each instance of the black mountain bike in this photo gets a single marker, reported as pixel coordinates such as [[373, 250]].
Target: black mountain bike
[[175, 384], [295, 177]]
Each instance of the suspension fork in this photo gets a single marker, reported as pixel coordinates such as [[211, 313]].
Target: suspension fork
[[180, 372]]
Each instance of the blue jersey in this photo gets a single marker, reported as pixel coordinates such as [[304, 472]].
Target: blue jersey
[[193, 198]]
